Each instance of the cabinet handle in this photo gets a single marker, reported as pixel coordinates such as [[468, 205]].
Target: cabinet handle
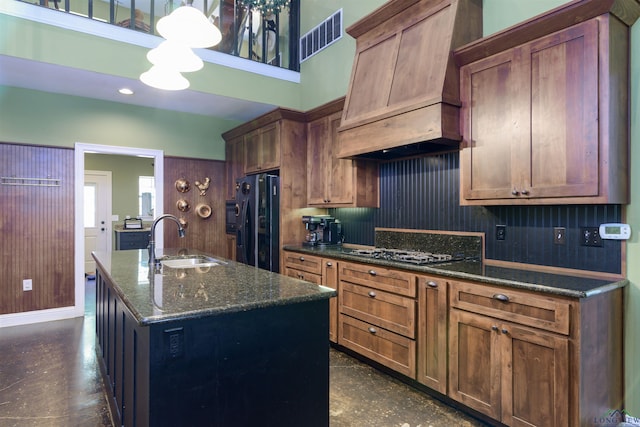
[[525, 192], [372, 294], [301, 258], [372, 330], [432, 284], [372, 272], [501, 297], [514, 192], [504, 331], [329, 264], [494, 328]]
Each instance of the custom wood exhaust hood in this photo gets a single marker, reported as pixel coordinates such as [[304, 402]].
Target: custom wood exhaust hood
[[403, 97]]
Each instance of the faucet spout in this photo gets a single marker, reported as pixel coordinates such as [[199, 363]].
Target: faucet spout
[[152, 237]]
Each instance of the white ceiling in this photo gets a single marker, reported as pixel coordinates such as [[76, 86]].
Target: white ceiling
[[46, 77]]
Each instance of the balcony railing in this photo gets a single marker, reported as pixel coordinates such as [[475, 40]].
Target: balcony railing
[[271, 39]]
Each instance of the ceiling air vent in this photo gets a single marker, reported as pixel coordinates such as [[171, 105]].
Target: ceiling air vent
[[322, 36]]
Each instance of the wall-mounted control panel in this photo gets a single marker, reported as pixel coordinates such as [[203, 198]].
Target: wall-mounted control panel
[[615, 231]]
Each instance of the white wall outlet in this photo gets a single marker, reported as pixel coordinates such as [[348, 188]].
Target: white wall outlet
[[27, 285], [115, 217]]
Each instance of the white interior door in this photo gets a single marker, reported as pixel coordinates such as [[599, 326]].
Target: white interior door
[[97, 215]]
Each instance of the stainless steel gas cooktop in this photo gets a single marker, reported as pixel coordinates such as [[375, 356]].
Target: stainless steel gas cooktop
[[400, 255]]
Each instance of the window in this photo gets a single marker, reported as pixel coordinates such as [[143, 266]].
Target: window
[[146, 196]]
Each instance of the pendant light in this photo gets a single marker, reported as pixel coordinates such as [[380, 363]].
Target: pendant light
[[184, 29], [172, 55], [189, 26], [164, 78]]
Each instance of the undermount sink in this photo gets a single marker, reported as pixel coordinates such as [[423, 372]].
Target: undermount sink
[[190, 261]]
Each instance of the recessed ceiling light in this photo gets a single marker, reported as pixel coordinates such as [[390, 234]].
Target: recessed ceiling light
[[125, 91]]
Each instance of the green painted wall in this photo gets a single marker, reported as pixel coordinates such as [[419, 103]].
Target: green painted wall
[[34, 117], [632, 295], [325, 76]]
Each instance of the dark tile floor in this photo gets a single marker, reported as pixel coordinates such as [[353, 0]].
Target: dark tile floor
[[49, 376]]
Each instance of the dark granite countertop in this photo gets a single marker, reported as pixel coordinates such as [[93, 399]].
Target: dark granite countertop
[[177, 293], [571, 286]]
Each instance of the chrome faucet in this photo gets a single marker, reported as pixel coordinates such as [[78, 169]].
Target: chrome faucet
[[152, 238]]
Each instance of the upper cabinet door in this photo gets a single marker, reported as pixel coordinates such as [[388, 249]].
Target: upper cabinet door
[[262, 149], [335, 182], [564, 113], [494, 126]]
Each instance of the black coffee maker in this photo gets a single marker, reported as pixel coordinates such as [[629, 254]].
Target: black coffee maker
[[322, 230], [332, 232]]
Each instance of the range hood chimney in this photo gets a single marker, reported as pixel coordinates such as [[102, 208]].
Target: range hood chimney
[[403, 96]]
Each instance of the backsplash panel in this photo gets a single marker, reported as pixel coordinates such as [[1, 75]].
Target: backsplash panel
[[423, 194]]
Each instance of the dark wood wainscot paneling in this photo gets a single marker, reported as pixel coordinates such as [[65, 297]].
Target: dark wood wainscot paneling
[[204, 233], [37, 227]]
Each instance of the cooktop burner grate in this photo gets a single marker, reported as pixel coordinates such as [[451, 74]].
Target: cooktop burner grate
[[400, 255]]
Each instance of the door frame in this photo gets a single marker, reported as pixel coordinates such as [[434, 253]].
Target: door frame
[[80, 150]]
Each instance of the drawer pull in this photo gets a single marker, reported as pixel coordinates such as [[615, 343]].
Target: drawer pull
[[494, 328], [329, 264], [372, 272], [301, 258], [432, 284], [501, 297], [372, 330], [505, 331], [372, 294]]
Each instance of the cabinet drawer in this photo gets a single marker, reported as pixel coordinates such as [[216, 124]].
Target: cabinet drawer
[[392, 350], [308, 263], [376, 277], [525, 308], [389, 311], [303, 275]]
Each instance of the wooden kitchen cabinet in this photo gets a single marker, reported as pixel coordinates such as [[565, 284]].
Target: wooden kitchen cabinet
[[516, 374], [322, 271], [377, 315], [234, 164], [262, 149], [551, 112], [432, 332], [330, 280], [331, 181], [525, 358], [276, 142]]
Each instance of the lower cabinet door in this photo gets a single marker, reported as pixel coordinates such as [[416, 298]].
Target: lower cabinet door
[[474, 362], [514, 374], [535, 377], [392, 350]]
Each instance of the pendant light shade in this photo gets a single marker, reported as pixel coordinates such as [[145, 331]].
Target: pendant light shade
[[189, 26], [176, 56], [164, 78]]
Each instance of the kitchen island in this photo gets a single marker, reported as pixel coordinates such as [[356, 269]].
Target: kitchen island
[[219, 344]]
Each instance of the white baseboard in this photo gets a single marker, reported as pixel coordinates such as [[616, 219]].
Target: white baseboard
[[29, 317]]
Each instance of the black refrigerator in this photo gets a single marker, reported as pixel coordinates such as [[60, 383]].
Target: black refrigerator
[[258, 232]]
